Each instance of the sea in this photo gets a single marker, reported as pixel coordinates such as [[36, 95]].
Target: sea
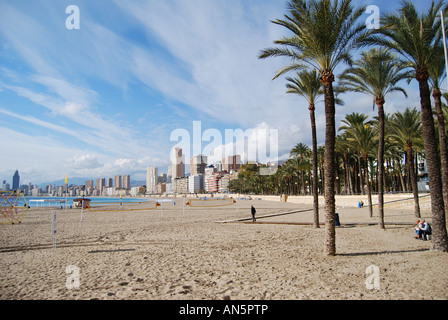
[[58, 202]]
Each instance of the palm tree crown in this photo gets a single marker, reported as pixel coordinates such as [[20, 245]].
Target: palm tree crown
[[324, 34], [376, 73]]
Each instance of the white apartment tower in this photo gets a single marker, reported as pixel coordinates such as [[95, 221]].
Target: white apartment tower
[[152, 176]]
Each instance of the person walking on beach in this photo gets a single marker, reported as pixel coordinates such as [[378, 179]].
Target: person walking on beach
[[253, 211]]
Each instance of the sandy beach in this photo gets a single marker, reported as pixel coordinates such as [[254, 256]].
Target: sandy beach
[[177, 252]]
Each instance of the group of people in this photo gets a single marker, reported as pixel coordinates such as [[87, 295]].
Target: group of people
[[422, 229]]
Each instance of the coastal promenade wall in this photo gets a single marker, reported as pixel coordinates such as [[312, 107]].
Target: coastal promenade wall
[[402, 200], [399, 200]]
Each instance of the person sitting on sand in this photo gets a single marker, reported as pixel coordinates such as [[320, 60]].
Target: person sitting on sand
[[425, 230], [417, 229]]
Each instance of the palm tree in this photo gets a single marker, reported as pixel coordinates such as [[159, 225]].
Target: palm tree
[[301, 152], [415, 38], [376, 73], [307, 84], [344, 148], [436, 71], [407, 131], [324, 33], [350, 121], [362, 137]]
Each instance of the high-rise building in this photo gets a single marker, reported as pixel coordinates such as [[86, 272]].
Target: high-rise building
[[218, 166], [198, 164], [89, 187], [231, 163], [127, 182], [16, 181], [152, 176], [178, 165], [117, 182], [100, 184]]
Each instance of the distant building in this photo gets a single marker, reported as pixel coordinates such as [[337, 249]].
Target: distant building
[[180, 185], [100, 185], [198, 164], [16, 181], [231, 163], [218, 166], [177, 164], [6, 186], [127, 182], [89, 187], [195, 183], [117, 182], [213, 182], [152, 176]]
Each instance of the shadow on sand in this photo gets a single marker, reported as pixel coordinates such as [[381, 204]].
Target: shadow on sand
[[354, 254]]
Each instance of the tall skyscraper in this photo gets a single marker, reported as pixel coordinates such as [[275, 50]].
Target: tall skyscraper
[[177, 163], [117, 182], [198, 164], [100, 184], [152, 175], [127, 181], [16, 181]]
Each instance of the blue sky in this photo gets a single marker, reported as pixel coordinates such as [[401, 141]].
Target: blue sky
[[104, 99]]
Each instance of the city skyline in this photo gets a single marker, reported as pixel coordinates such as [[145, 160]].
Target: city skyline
[[104, 99]]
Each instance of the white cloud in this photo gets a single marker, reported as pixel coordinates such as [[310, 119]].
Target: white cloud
[[83, 162]]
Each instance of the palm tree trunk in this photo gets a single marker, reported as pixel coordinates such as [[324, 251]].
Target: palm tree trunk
[[413, 181], [369, 193], [327, 79], [315, 175], [443, 145], [361, 177], [440, 237], [400, 175], [381, 165]]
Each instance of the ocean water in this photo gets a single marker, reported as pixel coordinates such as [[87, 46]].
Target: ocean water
[[35, 202]]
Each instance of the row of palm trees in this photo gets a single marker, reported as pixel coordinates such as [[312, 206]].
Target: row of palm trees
[[356, 161], [322, 35]]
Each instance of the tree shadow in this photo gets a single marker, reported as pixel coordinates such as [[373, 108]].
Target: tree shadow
[[354, 254], [112, 250]]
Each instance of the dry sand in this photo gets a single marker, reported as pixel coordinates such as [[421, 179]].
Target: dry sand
[[171, 254]]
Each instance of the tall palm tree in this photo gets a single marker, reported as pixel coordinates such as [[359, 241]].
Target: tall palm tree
[[323, 34], [415, 38], [436, 70], [406, 130], [376, 74], [307, 84]]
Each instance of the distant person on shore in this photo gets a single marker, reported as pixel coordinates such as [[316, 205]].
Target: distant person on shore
[[253, 211]]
